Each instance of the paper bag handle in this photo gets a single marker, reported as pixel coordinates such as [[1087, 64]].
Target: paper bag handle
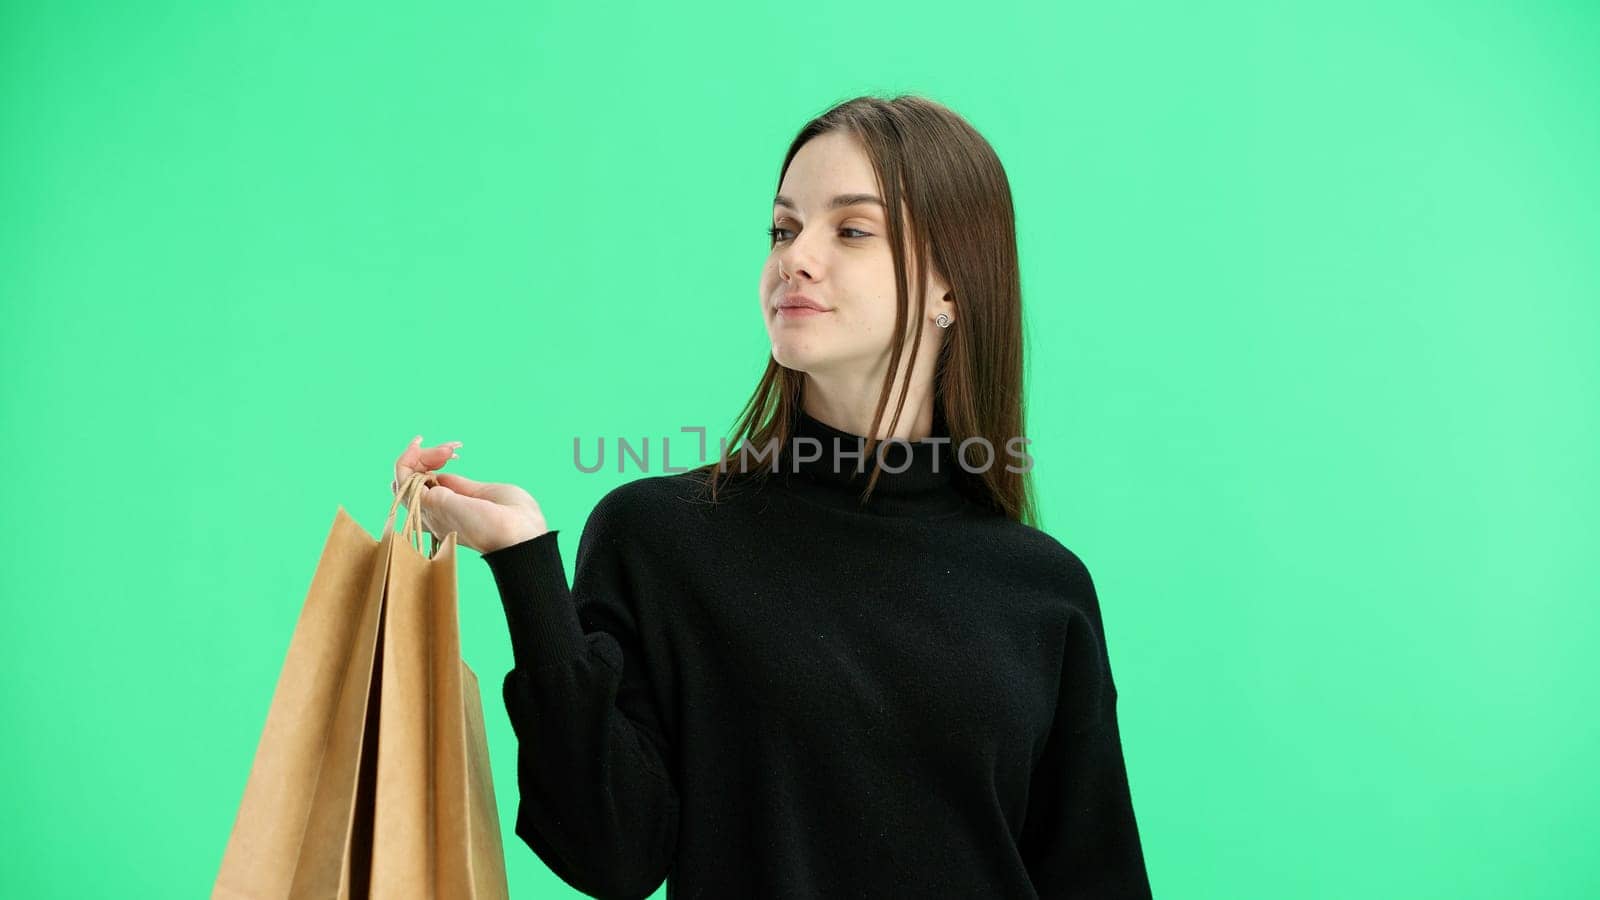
[[411, 528]]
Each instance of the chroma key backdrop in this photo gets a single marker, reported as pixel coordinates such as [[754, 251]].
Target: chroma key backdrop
[[1311, 297]]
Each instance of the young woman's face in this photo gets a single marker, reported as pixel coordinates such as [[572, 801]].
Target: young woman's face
[[839, 257]]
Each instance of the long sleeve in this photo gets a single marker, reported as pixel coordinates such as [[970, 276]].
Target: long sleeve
[[597, 799], [1080, 837]]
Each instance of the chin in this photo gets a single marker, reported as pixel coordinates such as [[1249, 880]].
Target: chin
[[800, 355]]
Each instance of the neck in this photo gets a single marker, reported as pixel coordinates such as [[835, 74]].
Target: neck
[[825, 399], [828, 464]]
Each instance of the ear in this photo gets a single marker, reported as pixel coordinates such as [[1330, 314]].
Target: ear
[[945, 303], [939, 296], [936, 282]]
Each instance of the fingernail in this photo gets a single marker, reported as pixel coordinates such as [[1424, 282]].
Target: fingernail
[[455, 456], [417, 439]]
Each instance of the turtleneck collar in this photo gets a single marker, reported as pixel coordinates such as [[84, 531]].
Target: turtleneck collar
[[823, 461]]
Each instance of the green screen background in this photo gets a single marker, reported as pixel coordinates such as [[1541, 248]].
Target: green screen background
[[1312, 315]]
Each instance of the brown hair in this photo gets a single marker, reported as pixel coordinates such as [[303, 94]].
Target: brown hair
[[953, 186]]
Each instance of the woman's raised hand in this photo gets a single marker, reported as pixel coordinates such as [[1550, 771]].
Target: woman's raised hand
[[485, 516]]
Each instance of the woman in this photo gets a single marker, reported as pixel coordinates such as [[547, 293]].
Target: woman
[[825, 665]]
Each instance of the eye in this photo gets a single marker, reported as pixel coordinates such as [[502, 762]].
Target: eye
[[774, 231]]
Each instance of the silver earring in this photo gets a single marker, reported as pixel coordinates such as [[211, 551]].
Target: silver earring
[[942, 320]]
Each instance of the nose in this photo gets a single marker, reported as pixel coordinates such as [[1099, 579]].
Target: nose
[[796, 258], [786, 270]]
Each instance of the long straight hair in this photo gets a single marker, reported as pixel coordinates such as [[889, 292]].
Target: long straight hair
[[962, 220]]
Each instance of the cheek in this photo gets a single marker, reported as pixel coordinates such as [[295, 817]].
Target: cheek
[[769, 275], [878, 312]]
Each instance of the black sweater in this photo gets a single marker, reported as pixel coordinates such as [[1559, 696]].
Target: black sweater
[[784, 694]]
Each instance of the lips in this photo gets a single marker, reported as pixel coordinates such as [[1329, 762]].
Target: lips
[[795, 312], [799, 304]]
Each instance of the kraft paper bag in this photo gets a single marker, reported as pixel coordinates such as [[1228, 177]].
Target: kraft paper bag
[[435, 819], [311, 742], [371, 778]]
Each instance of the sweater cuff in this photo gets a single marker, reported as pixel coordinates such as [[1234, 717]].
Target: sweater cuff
[[539, 606]]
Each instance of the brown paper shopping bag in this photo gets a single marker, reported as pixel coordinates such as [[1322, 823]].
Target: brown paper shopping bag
[[435, 821], [371, 777]]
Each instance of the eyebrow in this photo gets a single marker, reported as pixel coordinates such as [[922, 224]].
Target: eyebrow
[[839, 202]]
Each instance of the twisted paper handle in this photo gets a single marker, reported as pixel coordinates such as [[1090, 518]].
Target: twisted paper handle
[[411, 528]]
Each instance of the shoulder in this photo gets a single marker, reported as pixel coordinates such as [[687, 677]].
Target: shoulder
[[656, 499], [620, 509], [650, 506], [1047, 559]]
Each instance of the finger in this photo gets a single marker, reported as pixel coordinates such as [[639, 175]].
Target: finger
[[437, 504], [461, 485], [406, 464], [434, 457], [417, 458]]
